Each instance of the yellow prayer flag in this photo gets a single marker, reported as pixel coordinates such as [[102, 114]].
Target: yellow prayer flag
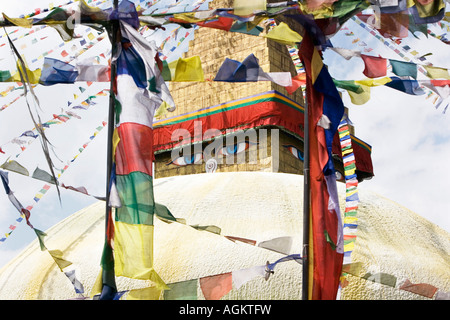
[[374, 82], [20, 22], [151, 293], [316, 65], [349, 247], [245, 7], [98, 284], [57, 256], [162, 110], [324, 10], [284, 35], [33, 76], [437, 73], [188, 17], [430, 8], [361, 97], [189, 69], [115, 142], [133, 252]]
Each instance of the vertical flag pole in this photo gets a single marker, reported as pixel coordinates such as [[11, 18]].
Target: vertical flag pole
[[108, 276], [306, 205]]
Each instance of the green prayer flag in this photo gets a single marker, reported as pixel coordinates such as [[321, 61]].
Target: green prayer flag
[[43, 175], [14, 166], [381, 277], [5, 75], [136, 195], [163, 212], [40, 234], [184, 290], [404, 69]]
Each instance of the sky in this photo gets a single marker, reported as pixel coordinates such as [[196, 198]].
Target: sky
[[410, 138]]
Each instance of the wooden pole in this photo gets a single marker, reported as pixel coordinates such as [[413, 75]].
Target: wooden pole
[[108, 275], [306, 205]]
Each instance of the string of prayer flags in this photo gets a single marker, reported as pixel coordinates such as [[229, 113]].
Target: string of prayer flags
[[213, 287], [13, 199], [351, 190], [442, 89]]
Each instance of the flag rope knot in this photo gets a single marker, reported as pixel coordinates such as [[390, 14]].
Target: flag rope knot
[[268, 271]]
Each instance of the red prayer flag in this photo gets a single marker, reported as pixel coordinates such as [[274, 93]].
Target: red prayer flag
[[215, 287], [374, 66], [326, 261], [222, 23], [424, 289], [134, 151]]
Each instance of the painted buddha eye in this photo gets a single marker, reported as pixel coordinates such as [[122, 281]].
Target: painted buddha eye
[[188, 160], [296, 152], [339, 176], [234, 149]]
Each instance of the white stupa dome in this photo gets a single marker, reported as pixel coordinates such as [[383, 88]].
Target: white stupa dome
[[254, 205]]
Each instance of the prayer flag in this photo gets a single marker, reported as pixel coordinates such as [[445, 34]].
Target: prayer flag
[[280, 244], [215, 287], [240, 277], [323, 99], [184, 290], [403, 68], [245, 7], [88, 70], [221, 23], [436, 72], [375, 67], [150, 293], [183, 69], [424, 289], [407, 86], [250, 71], [284, 35]]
